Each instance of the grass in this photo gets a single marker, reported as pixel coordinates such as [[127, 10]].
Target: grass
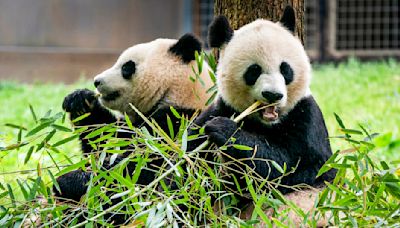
[[361, 93], [366, 93], [15, 99]]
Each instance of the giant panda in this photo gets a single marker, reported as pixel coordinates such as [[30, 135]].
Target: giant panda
[[151, 76], [263, 61]]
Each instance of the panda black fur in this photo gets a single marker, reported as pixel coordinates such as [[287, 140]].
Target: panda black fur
[[151, 76], [263, 61]]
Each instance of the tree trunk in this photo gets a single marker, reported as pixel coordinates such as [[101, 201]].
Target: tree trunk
[[241, 12]]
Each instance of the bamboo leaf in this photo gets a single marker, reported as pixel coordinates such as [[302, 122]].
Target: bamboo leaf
[[170, 127], [38, 128], [121, 179], [174, 112], [340, 166], [211, 99], [33, 113], [128, 121], [2, 195], [63, 141], [34, 188], [23, 190], [119, 195], [28, 155], [112, 158], [81, 117], [351, 131], [107, 128], [242, 147], [14, 146], [73, 167], [45, 140], [61, 128], [103, 138], [339, 121], [138, 170], [184, 140], [53, 179], [277, 166], [11, 194], [19, 136], [15, 126]]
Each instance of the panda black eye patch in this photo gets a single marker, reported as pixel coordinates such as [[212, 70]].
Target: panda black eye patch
[[252, 73], [287, 72], [128, 69]]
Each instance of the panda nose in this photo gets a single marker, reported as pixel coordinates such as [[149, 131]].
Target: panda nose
[[271, 96], [97, 83]]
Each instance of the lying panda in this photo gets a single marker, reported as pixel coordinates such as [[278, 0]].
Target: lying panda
[[151, 76], [263, 61]]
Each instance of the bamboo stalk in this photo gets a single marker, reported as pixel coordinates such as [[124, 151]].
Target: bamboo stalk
[[237, 119]]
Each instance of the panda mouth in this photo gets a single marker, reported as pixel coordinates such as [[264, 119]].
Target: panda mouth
[[270, 112], [110, 96]]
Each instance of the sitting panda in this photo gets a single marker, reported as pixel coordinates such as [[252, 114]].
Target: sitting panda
[[151, 76], [263, 61]]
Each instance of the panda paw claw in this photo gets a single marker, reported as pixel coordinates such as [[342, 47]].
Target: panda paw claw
[[220, 130], [79, 102]]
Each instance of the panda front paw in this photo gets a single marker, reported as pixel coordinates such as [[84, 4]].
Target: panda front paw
[[79, 102], [73, 185], [220, 129]]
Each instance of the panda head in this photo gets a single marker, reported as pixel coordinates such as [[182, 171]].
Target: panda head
[[153, 74], [262, 61]]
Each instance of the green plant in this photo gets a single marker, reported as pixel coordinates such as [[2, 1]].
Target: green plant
[[364, 193]]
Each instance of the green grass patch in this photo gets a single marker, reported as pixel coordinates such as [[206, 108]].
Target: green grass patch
[[360, 93], [15, 100]]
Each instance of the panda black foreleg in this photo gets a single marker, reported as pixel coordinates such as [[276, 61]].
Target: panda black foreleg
[[84, 101], [73, 185], [221, 129]]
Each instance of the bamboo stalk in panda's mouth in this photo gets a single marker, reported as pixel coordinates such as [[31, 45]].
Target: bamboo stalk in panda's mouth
[[247, 112], [237, 119]]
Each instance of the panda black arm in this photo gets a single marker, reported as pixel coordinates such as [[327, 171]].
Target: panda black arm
[[221, 129], [211, 112], [301, 138], [83, 101]]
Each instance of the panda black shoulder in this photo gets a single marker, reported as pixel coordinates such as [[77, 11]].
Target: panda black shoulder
[[306, 118]]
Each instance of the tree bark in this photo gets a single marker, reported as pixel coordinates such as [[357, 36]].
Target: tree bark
[[241, 12]]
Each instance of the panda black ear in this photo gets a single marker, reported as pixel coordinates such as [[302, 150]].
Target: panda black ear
[[219, 32], [288, 19], [186, 47]]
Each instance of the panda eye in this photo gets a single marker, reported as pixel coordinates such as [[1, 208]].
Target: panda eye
[[287, 72], [252, 73], [128, 69]]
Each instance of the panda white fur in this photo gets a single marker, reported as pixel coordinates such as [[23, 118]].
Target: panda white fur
[[264, 61], [151, 76]]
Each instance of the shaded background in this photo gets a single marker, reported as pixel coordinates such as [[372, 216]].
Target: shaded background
[[61, 41]]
